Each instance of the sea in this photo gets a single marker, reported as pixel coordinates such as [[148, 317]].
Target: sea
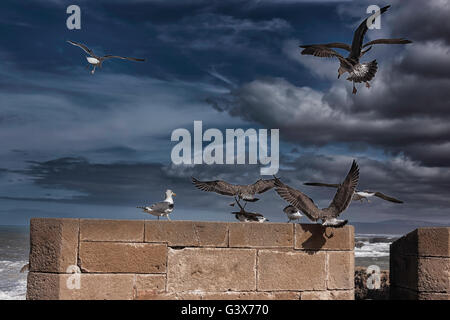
[[370, 249]]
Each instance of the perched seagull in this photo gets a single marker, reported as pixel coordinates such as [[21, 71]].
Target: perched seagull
[[359, 195], [163, 208], [244, 192], [25, 268], [246, 216], [359, 72], [97, 61], [292, 213], [329, 215]]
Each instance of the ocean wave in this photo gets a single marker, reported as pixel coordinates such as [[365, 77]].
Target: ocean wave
[[368, 249]]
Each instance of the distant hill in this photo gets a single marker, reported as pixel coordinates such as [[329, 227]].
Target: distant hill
[[398, 227]]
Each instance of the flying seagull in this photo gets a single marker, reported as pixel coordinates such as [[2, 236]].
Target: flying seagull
[[292, 213], [246, 216], [163, 208], [359, 72], [329, 215], [244, 192], [97, 61], [359, 195]]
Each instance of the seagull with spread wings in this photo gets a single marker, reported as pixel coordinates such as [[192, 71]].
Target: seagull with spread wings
[[97, 61], [358, 72], [244, 192], [359, 195], [328, 215], [163, 208]]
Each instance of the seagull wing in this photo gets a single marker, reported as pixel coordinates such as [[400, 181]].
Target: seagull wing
[[82, 46], [345, 192], [323, 52], [218, 186], [108, 56], [387, 198], [338, 45], [358, 36], [160, 206], [298, 199], [387, 41], [320, 184], [262, 186]]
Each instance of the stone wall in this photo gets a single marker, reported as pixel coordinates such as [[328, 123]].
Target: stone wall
[[420, 265], [122, 259]]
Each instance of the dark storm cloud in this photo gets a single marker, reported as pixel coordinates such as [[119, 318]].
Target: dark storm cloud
[[405, 111]]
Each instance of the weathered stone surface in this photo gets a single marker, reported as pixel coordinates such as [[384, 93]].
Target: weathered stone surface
[[53, 244], [150, 284], [261, 235], [281, 270], [403, 271], [433, 296], [112, 230], [434, 274], [406, 245], [288, 295], [211, 269], [171, 296], [116, 257], [50, 286], [341, 270], [434, 242], [187, 233], [42, 286], [317, 237], [328, 295]]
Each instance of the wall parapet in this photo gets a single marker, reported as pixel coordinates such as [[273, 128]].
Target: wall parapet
[[420, 265], [149, 259]]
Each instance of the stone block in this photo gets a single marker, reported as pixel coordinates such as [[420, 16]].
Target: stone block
[[281, 270], [112, 230], [116, 257], [211, 269], [318, 237], [261, 235], [53, 244], [341, 270]]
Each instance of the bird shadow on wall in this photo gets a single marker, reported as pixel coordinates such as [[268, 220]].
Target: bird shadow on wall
[[316, 236]]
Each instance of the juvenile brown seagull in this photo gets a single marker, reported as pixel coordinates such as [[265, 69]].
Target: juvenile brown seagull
[[359, 195], [329, 215], [97, 61], [359, 72], [244, 192], [246, 216]]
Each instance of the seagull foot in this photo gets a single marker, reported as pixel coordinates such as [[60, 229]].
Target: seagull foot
[[354, 90], [367, 85]]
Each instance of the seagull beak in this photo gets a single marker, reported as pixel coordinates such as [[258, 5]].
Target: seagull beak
[[174, 194]]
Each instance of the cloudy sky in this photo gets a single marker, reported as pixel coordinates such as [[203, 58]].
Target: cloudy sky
[[82, 145]]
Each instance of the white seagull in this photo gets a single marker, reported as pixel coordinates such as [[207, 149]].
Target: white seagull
[[97, 61], [163, 208]]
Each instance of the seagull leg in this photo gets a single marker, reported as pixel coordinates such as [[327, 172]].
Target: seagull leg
[[354, 89], [167, 216], [367, 84], [93, 70], [158, 217]]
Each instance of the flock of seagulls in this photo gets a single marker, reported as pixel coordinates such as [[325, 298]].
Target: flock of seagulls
[[299, 203]]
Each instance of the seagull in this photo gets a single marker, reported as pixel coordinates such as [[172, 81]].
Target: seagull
[[359, 195], [97, 61], [244, 192], [329, 215], [292, 213], [359, 72], [246, 216], [163, 208]]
